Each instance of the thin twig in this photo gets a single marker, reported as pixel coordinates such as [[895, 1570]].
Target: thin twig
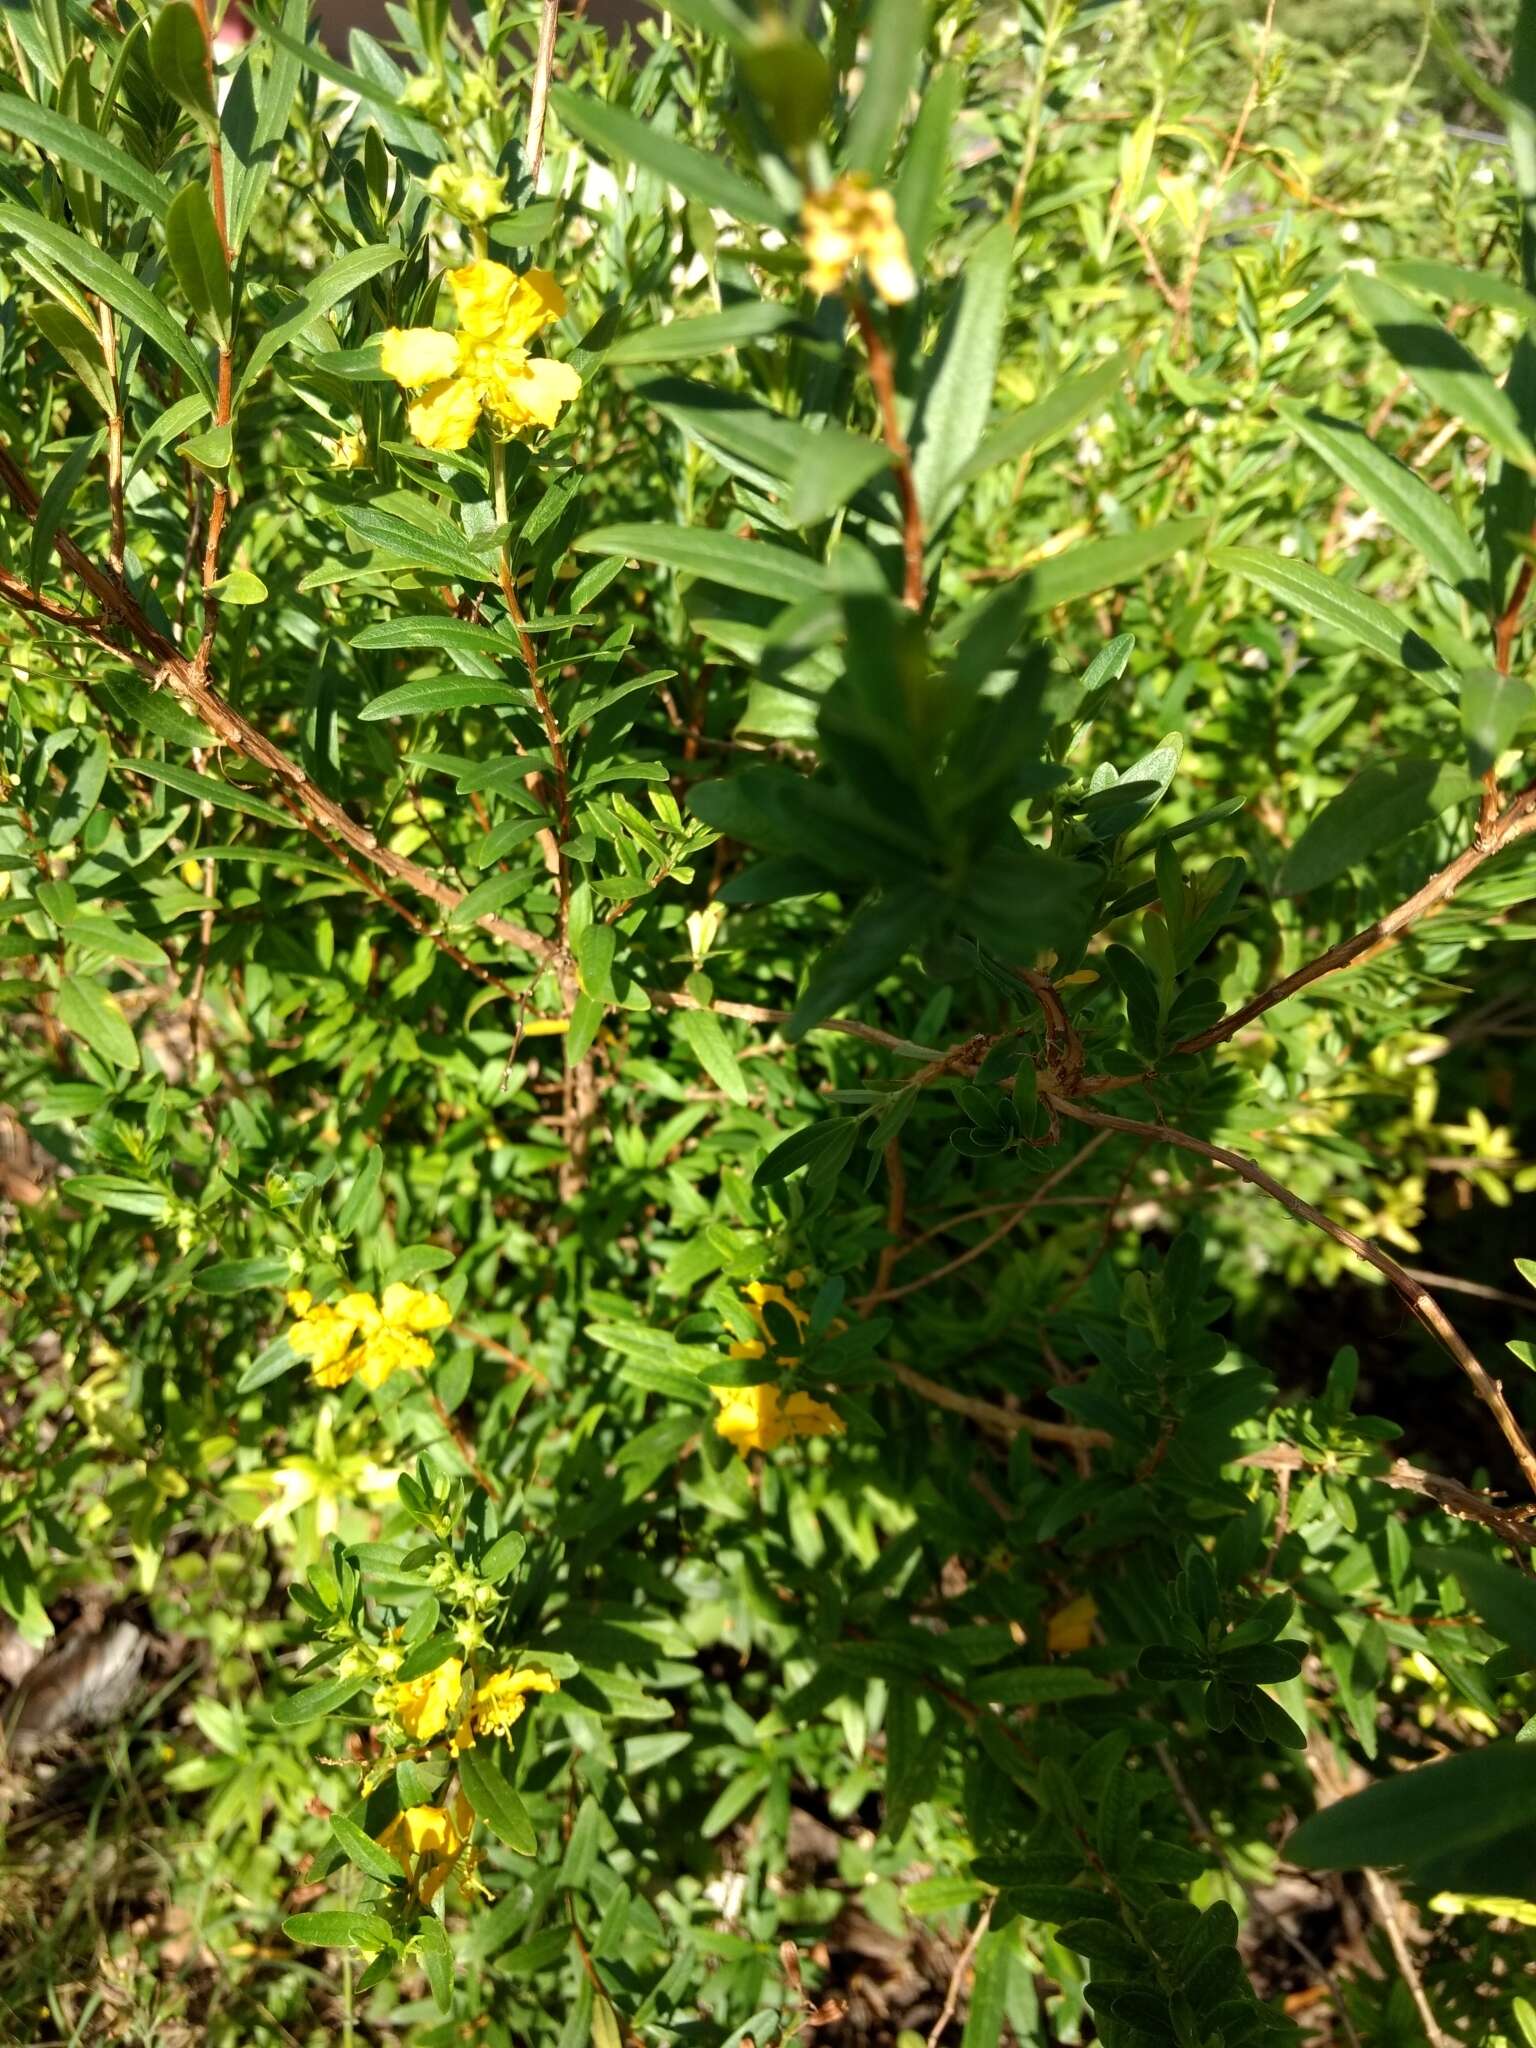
[[883, 376], [107, 329], [1511, 1525], [1420, 1303], [755, 1013], [462, 1445], [1516, 820], [957, 1975], [1386, 1902], [538, 103], [163, 662], [226, 375], [879, 1295], [1002, 1422]]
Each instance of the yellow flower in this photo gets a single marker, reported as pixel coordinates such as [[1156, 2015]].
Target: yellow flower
[[760, 1418], [855, 222], [485, 367], [501, 1701], [426, 1842], [358, 1337], [423, 1706], [1071, 1627]]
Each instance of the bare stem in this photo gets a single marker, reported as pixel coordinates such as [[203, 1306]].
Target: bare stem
[[106, 327], [883, 376], [538, 102], [1420, 1303]]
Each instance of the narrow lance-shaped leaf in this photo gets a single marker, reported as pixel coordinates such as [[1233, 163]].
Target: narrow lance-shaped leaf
[[197, 257], [1421, 516], [178, 56], [1444, 369], [63, 140], [1333, 603], [91, 267], [627, 139], [957, 397]]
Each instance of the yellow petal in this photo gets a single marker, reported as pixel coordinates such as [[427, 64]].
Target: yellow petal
[[1071, 1627], [536, 301], [483, 292], [446, 415], [415, 356], [533, 394], [412, 1308]]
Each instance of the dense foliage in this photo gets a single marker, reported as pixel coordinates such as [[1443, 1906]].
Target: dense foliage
[[765, 815]]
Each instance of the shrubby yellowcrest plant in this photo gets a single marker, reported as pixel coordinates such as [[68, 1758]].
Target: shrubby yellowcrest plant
[[816, 728]]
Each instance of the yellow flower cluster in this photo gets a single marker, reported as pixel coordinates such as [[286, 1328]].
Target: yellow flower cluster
[[485, 367], [424, 1707], [760, 1418], [360, 1338], [855, 222], [428, 1843]]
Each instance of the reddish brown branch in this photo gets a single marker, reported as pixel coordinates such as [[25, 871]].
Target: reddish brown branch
[[883, 376], [160, 659], [1420, 1303]]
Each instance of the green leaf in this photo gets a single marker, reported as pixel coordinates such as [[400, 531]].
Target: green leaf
[[97, 272], [594, 950], [54, 506], [1384, 803], [495, 1802], [1436, 1809], [749, 565], [315, 1703], [1038, 425], [1444, 369], [1505, 1599], [252, 162], [504, 1556], [815, 1146], [180, 60], [831, 469], [677, 341], [494, 893], [1333, 603], [213, 451], [924, 161], [80, 346], [1493, 709], [1455, 282], [197, 257], [957, 391], [439, 693], [70, 142], [896, 32], [1421, 516], [703, 1033], [627, 139], [87, 1009], [337, 1930], [362, 1850], [337, 281], [1036, 1684], [239, 1276], [1104, 564], [209, 789], [103, 935], [441, 551], [241, 586], [439, 632], [436, 1960]]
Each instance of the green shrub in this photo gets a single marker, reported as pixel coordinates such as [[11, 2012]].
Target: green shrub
[[745, 825]]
